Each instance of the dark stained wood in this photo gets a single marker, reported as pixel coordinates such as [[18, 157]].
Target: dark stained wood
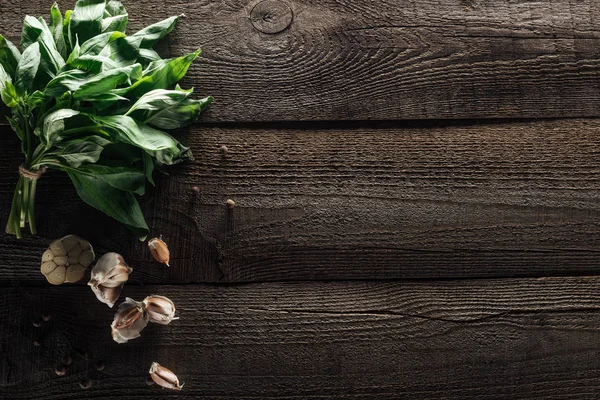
[[382, 59], [382, 202], [484, 339]]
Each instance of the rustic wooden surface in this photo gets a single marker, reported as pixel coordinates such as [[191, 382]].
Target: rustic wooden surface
[[491, 339], [430, 259]]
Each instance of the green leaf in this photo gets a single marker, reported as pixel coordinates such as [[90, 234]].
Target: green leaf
[[123, 51], [81, 150], [161, 74], [178, 116], [103, 82], [115, 17], [158, 144], [158, 99], [149, 168], [115, 203], [9, 56], [93, 64], [153, 33], [127, 179], [85, 86], [66, 23], [27, 68], [54, 124], [8, 93], [86, 20], [56, 27], [96, 44], [51, 61], [146, 56], [35, 99], [168, 109]]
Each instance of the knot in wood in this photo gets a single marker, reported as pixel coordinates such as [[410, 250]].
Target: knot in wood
[[271, 16]]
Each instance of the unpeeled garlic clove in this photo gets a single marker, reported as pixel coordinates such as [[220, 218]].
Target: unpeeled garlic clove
[[66, 260], [108, 277], [159, 250], [129, 321], [164, 377], [160, 309]]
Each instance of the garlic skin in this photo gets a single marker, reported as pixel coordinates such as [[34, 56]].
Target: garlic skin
[[66, 260], [129, 321], [160, 309], [108, 277], [164, 377], [159, 250]]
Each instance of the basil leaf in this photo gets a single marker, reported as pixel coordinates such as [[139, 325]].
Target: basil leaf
[[54, 123], [146, 56], [8, 93], [81, 150], [86, 20], [83, 85], [115, 17], [66, 23], [124, 51], [168, 109], [178, 116], [160, 145], [36, 30], [161, 74], [27, 68], [96, 44], [93, 64], [127, 179], [56, 27], [153, 33], [149, 168], [35, 99], [9, 56], [115, 203], [159, 99]]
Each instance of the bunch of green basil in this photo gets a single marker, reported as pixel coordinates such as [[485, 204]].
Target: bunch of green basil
[[93, 102]]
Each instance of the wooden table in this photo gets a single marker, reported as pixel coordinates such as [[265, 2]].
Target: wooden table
[[411, 220]]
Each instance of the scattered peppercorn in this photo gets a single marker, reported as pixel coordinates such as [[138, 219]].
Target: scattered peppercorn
[[85, 383], [61, 370], [100, 365]]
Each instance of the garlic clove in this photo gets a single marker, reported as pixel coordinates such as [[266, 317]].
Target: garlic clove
[[160, 309], [61, 260], [58, 248], [106, 295], [108, 276], [159, 250], [48, 267], [164, 377], [75, 272], [117, 276], [129, 321], [76, 251], [58, 275], [86, 258], [47, 256]]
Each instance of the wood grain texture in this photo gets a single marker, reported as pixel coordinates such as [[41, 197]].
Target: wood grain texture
[[490, 339], [381, 59], [349, 202]]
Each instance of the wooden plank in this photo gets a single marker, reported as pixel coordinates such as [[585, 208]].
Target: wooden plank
[[404, 59], [421, 201], [483, 339]]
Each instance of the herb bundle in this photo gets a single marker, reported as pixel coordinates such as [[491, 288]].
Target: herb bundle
[[91, 101]]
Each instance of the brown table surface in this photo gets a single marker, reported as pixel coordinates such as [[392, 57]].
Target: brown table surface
[[417, 211]]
